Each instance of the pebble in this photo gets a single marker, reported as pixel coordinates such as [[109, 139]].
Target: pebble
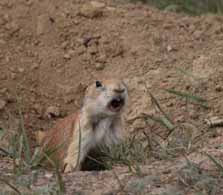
[[170, 104], [102, 58], [35, 66], [169, 48], [67, 56], [21, 70], [2, 104], [97, 4], [99, 66], [219, 88], [90, 11], [52, 111], [65, 44], [48, 175]]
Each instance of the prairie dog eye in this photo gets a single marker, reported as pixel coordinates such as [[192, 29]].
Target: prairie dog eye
[[98, 84]]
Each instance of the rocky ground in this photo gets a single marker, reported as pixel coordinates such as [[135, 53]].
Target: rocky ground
[[51, 50]]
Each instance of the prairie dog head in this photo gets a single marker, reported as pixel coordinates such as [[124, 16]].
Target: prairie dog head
[[106, 97]]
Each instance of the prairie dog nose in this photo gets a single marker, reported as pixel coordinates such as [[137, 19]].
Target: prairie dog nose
[[120, 90]]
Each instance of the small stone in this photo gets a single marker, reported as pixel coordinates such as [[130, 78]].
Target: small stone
[[48, 175], [218, 88], [170, 104], [179, 118], [90, 11], [12, 27], [102, 58], [37, 108], [21, 70], [34, 66], [29, 2], [169, 48], [68, 99], [110, 8], [97, 4], [52, 111], [76, 22], [2, 104], [67, 56], [64, 44], [99, 66]]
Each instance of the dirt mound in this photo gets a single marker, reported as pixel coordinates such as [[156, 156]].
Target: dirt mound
[[51, 50]]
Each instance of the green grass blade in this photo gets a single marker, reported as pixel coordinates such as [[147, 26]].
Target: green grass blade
[[7, 153], [2, 133], [27, 152], [36, 157], [165, 119], [162, 120], [192, 98], [20, 149], [167, 123], [14, 188], [58, 174], [216, 162], [158, 106], [187, 73]]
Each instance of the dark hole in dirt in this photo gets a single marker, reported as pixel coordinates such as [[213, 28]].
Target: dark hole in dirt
[[95, 161]]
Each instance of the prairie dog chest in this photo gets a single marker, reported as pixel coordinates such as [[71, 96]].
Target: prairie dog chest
[[101, 129]]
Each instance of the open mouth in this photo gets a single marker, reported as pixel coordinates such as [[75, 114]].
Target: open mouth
[[116, 104]]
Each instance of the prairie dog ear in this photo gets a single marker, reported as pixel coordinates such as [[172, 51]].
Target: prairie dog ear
[[98, 84], [126, 86]]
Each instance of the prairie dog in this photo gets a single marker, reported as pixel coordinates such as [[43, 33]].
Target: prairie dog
[[97, 122]]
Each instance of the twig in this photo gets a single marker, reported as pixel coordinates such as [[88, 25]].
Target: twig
[[214, 122], [158, 106], [6, 152], [10, 185]]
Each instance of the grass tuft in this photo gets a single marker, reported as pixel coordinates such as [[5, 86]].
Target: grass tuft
[[192, 7], [25, 161]]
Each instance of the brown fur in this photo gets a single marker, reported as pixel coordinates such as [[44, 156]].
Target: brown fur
[[58, 138], [63, 138]]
